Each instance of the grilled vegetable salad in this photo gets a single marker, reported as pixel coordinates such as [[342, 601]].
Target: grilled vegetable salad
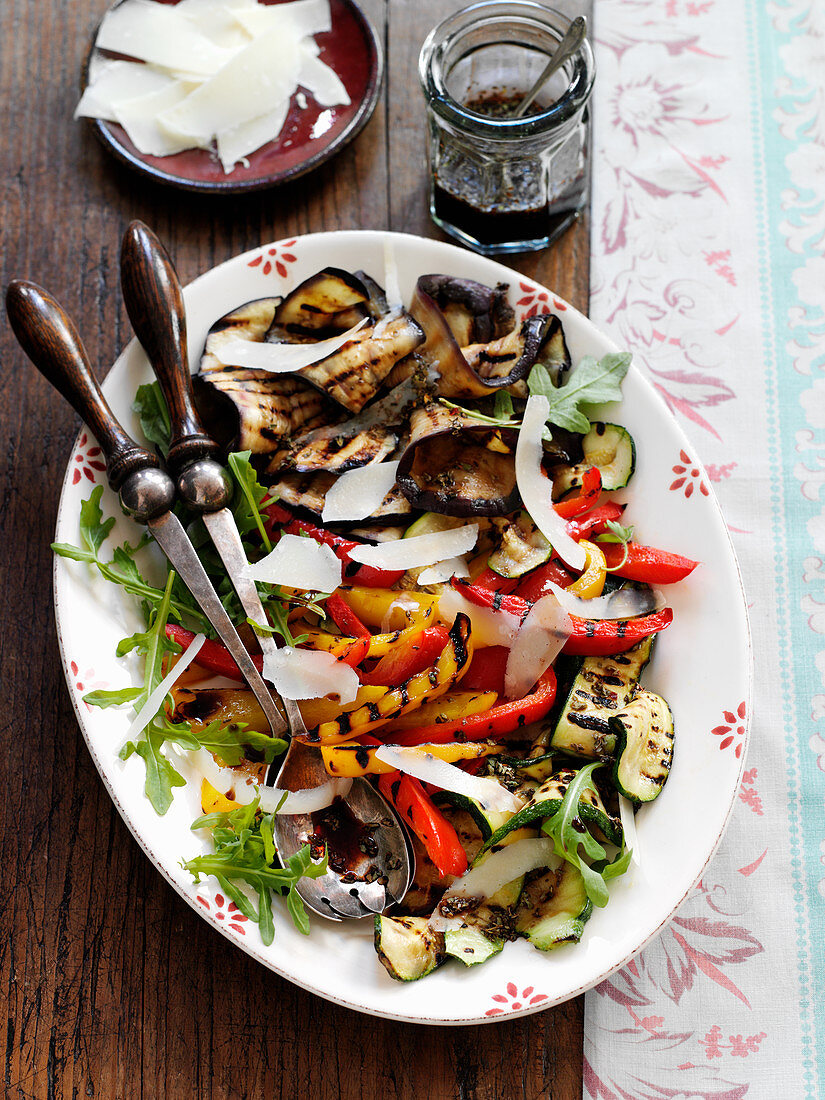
[[485, 629]]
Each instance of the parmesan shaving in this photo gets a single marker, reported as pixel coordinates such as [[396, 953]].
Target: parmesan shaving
[[534, 487], [310, 674], [422, 765], [115, 83], [299, 563], [491, 873], [357, 493], [539, 641], [281, 358], [306, 17], [444, 570], [418, 551], [489, 627], [243, 788], [155, 698], [160, 35], [240, 141], [138, 117]]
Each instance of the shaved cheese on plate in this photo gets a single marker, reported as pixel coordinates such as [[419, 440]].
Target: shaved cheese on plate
[[154, 700], [236, 144], [324, 83], [281, 358], [444, 570], [255, 80], [534, 487], [301, 563], [138, 117], [418, 551], [422, 765], [357, 493], [491, 873], [117, 82], [310, 674], [306, 17], [539, 641], [236, 65], [624, 603], [160, 35]]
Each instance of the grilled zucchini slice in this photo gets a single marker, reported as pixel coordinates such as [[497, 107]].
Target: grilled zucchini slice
[[554, 908], [611, 448], [602, 687], [644, 747], [408, 947]]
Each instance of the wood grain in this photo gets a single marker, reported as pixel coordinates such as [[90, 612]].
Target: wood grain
[[113, 987]]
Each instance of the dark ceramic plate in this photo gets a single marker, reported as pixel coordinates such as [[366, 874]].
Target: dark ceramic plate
[[310, 136]]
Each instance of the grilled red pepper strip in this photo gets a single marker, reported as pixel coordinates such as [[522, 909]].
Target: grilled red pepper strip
[[590, 637], [345, 618], [485, 597], [498, 722], [213, 656], [585, 498], [486, 671], [427, 822], [603, 637], [354, 572], [536, 583], [646, 563], [490, 579], [402, 662], [595, 522]]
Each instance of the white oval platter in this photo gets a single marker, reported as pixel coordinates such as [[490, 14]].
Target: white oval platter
[[702, 666]]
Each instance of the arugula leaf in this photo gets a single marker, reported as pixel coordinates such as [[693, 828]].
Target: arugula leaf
[[228, 740], [249, 496], [122, 569], [591, 383], [114, 698], [153, 413], [565, 829], [245, 852], [503, 406]]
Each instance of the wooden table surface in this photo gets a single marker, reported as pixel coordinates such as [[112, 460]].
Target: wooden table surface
[[113, 986]]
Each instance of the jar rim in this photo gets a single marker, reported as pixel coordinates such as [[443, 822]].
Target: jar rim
[[453, 27]]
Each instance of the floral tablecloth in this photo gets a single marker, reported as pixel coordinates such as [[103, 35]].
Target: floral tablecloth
[[708, 237]]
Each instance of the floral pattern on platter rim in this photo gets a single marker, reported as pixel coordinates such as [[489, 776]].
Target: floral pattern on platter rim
[[91, 620]]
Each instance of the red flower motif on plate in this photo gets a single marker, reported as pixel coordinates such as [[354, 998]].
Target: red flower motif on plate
[[85, 681], [512, 1000], [225, 913], [534, 301], [689, 477], [87, 463], [734, 731], [277, 256]]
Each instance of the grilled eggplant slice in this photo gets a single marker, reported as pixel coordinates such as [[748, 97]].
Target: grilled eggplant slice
[[475, 313], [253, 410], [331, 300], [353, 374], [510, 359], [448, 467]]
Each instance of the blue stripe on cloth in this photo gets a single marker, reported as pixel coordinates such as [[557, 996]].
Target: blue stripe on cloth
[[787, 98]]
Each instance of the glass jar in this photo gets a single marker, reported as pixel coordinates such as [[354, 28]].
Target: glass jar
[[500, 184]]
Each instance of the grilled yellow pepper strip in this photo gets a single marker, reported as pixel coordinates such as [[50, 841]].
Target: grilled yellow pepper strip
[[591, 582], [200, 706], [377, 646], [449, 708], [371, 605], [352, 759], [432, 683]]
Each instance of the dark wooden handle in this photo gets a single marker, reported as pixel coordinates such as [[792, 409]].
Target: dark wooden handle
[[154, 302], [48, 336]]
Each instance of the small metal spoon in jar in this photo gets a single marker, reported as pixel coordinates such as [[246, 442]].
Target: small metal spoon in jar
[[573, 38]]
